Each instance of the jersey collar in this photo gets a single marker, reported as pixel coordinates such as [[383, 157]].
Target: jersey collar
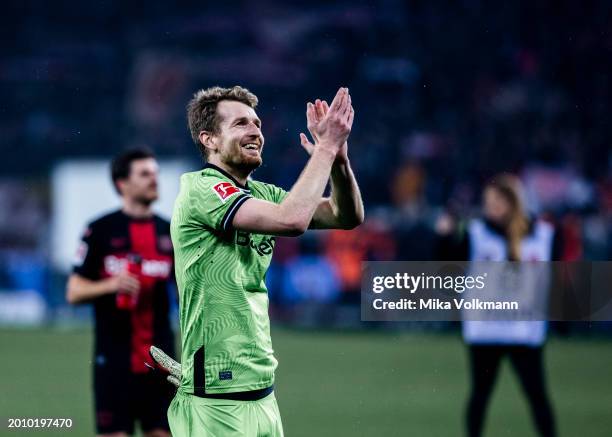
[[136, 219], [224, 173]]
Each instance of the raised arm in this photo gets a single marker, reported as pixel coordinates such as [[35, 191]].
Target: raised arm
[[344, 208], [295, 213]]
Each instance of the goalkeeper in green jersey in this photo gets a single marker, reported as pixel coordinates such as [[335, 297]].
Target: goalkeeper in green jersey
[[223, 228]]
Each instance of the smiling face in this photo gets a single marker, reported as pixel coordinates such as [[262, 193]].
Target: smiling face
[[239, 141]]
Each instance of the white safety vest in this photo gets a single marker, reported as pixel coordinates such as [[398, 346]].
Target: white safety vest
[[487, 245]]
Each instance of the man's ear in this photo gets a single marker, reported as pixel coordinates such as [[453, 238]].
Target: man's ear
[[206, 139], [120, 184]]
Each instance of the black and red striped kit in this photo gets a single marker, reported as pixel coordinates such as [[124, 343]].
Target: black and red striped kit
[[124, 389]]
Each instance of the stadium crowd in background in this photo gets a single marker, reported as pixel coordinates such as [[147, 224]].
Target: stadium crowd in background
[[519, 87]]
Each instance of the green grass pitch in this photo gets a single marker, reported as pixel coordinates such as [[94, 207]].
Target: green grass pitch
[[334, 384]]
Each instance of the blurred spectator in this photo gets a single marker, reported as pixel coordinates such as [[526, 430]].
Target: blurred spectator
[[407, 188], [310, 277], [347, 250], [437, 112], [22, 217]]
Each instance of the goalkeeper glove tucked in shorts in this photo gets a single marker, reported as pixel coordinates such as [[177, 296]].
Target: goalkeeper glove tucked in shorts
[[172, 367]]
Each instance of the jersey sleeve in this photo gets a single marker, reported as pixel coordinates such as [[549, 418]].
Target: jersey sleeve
[[87, 258], [276, 194], [214, 201]]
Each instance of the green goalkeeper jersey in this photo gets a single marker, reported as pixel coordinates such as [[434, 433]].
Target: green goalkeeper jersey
[[220, 271]]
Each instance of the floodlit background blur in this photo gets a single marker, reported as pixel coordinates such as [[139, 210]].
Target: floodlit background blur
[[446, 95]]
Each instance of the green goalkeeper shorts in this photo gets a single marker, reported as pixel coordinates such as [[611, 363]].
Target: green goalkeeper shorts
[[193, 416]]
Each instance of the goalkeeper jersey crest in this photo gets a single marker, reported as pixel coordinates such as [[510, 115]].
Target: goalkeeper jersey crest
[[225, 328]]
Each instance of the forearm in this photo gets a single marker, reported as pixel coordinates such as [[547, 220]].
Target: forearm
[[346, 202], [305, 195], [80, 289]]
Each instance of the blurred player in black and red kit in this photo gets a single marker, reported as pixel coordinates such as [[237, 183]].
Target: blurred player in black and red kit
[[123, 266]]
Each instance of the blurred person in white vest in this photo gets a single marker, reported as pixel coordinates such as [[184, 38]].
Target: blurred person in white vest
[[504, 233]]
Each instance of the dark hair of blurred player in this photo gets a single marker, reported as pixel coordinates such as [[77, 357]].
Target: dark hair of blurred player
[[134, 176], [123, 267]]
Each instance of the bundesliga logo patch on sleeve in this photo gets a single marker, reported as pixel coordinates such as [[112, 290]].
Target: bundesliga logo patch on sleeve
[[225, 190]]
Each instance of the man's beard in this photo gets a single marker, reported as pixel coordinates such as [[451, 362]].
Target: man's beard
[[245, 166], [241, 163], [146, 200]]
